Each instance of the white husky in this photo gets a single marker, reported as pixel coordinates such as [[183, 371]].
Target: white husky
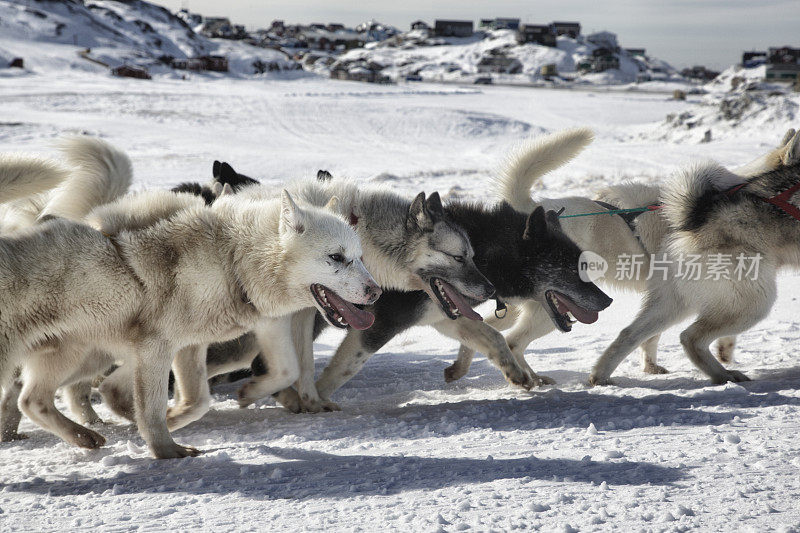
[[612, 237], [160, 273]]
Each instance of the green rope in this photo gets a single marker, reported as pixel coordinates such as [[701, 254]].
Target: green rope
[[612, 212]]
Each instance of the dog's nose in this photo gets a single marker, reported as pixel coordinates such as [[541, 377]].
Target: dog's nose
[[372, 292]]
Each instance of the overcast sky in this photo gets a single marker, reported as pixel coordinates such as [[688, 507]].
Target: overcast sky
[[683, 32]]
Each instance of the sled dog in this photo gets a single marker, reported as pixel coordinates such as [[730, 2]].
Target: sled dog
[[612, 237], [34, 189], [156, 273], [715, 212]]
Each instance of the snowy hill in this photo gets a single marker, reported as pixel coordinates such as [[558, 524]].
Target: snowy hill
[[50, 35], [416, 53]]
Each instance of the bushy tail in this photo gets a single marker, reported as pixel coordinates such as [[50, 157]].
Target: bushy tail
[[690, 196], [101, 173], [534, 159], [25, 176]]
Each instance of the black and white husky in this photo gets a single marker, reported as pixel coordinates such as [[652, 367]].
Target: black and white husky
[[613, 237]]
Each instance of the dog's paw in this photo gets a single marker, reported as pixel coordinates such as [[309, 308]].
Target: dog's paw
[[317, 405], [453, 373], [654, 369], [519, 378], [595, 381], [175, 451], [244, 397], [731, 375], [86, 438], [290, 400], [10, 437], [544, 380]]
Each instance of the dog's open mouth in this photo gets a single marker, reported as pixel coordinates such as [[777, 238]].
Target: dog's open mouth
[[565, 312], [338, 311], [453, 303]]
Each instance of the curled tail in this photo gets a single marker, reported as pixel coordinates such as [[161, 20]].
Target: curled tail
[[24, 176], [533, 160], [691, 196], [101, 173]]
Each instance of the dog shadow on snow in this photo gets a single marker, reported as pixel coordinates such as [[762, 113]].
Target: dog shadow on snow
[[302, 474]]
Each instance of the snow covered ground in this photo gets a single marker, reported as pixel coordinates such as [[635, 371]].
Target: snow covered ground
[[409, 452]]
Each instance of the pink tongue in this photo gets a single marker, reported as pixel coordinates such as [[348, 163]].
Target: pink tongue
[[357, 318], [461, 304], [580, 314]]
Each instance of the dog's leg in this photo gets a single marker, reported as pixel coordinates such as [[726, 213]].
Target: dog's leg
[[533, 321], [42, 376], [117, 391], [657, 314], [487, 340], [725, 348], [649, 356], [461, 365], [78, 397], [193, 397], [274, 336], [350, 356], [696, 339], [151, 395], [306, 398], [10, 415]]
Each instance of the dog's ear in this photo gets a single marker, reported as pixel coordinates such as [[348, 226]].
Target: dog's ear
[[226, 189], [215, 169], [216, 189], [552, 219], [419, 218], [292, 217], [324, 175], [434, 206], [535, 225], [333, 205], [227, 174]]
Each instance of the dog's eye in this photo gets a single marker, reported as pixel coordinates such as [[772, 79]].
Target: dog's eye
[[459, 258], [337, 258]]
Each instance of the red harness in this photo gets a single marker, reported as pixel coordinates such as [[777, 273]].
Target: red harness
[[781, 200]]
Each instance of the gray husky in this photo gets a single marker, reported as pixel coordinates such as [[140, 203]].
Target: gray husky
[[716, 213]]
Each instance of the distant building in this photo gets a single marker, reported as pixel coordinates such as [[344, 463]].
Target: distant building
[[317, 39], [453, 28], [500, 65], [636, 52], [780, 72], [784, 55], [753, 58], [335, 26], [570, 29], [605, 39], [536, 33], [602, 59], [420, 25], [500, 23], [699, 73], [783, 63], [214, 63], [127, 71]]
